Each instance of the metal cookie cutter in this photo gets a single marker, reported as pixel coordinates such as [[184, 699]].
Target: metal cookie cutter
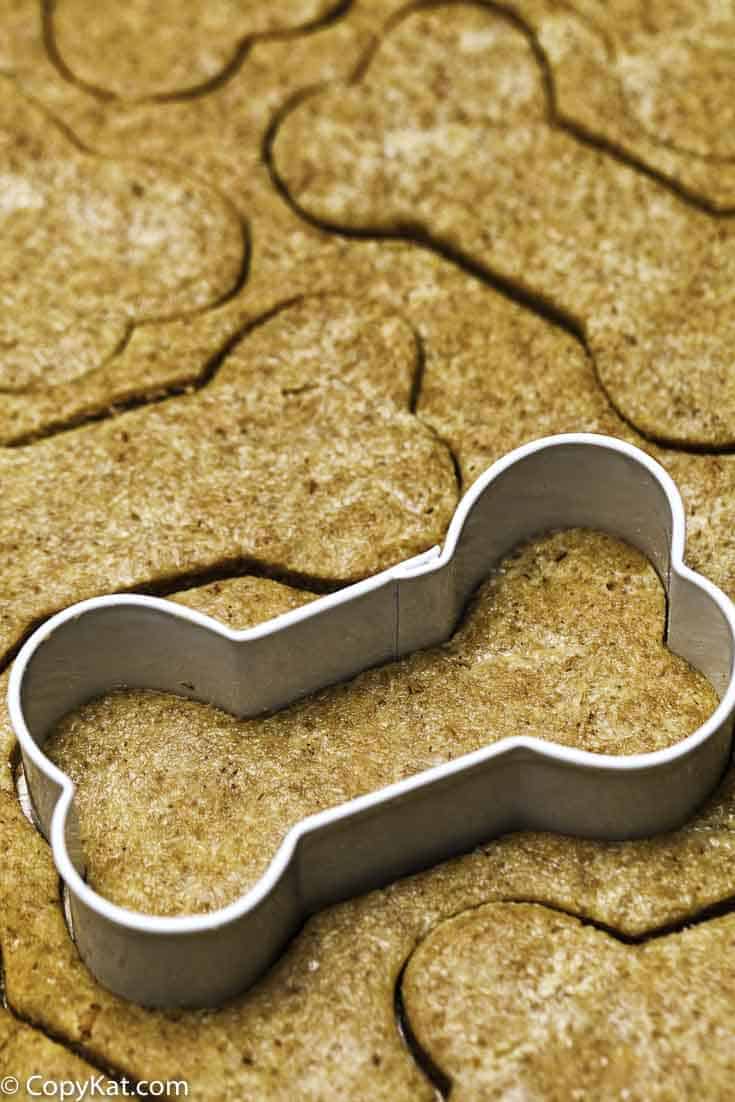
[[576, 480]]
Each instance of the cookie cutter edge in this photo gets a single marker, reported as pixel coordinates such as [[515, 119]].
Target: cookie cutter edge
[[564, 481]]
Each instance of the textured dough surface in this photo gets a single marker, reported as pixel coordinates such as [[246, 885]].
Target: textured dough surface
[[653, 79], [31, 1057], [219, 136], [145, 49], [291, 435], [301, 441], [446, 130], [514, 1000], [93, 246]]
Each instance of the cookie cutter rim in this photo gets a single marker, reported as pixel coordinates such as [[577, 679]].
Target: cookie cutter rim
[[120, 945]]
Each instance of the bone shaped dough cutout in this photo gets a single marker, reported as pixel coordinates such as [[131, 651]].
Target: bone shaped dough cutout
[[517, 1000], [146, 49], [673, 63], [92, 246], [301, 454], [448, 130], [651, 81]]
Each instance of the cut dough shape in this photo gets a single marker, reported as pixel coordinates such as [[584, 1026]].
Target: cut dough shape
[[32, 1058], [516, 1001], [321, 1024], [652, 79], [145, 49], [496, 377], [302, 455], [218, 137], [93, 246], [447, 132]]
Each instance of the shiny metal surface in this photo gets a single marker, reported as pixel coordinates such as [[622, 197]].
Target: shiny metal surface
[[133, 641]]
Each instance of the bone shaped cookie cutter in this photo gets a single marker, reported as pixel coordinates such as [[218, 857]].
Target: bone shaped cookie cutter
[[573, 480]]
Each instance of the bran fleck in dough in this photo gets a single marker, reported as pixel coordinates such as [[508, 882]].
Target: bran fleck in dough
[[448, 130], [517, 1001]]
